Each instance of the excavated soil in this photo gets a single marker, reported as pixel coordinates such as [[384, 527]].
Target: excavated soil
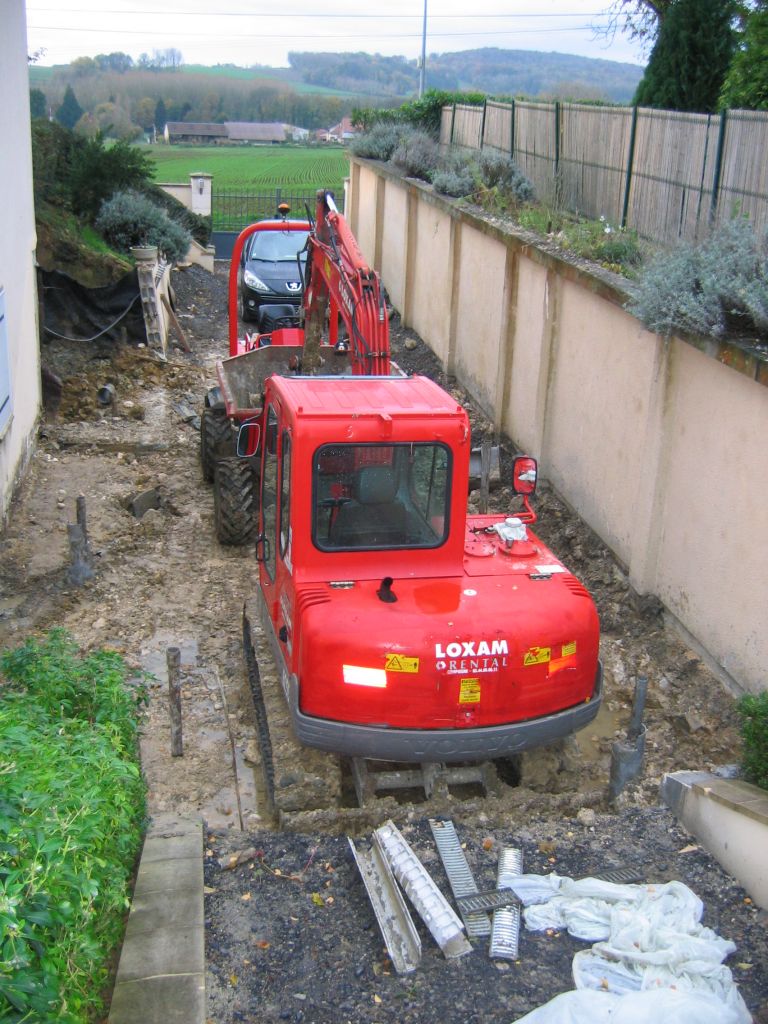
[[291, 935]]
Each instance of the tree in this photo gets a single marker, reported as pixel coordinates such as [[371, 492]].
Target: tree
[[38, 105], [746, 84], [82, 66], [690, 57], [640, 19], [160, 115], [144, 113], [70, 111], [117, 61]]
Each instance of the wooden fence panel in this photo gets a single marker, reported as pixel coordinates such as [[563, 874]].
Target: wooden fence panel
[[744, 174], [446, 123], [594, 149], [468, 126], [673, 174], [498, 127], [680, 174], [535, 145]]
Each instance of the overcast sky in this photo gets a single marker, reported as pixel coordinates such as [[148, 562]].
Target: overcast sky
[[245, 32]]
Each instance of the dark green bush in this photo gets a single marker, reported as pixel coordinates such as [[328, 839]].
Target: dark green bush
[[71, 820], [98, 171], [129, 219], [81, 173], [424, 114], [754, 732]]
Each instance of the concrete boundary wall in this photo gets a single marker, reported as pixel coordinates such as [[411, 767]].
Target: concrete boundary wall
[[657, 443]]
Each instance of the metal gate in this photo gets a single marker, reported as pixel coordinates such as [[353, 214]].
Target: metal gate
[[232, 209]]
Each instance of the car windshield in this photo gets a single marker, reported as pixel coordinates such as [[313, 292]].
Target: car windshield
[[277, 246], [381, 496]]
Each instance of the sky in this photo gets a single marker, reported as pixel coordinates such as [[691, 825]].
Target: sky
[[245, 32]]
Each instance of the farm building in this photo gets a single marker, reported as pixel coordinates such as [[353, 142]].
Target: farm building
[[194, 132], [235, 132]]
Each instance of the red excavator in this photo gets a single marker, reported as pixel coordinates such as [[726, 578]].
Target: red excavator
[[402, 628]]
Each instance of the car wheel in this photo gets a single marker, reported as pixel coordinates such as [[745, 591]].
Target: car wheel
[[243, 311]]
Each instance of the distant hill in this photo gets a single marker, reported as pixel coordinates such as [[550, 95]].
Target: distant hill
[[491, 70], [318, 89]]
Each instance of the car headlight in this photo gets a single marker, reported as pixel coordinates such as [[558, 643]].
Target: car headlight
[[254, 282]]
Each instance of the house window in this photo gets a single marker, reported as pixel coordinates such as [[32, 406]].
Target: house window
[[5, 370]]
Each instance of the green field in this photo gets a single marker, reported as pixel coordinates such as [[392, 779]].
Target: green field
[[259, 168]]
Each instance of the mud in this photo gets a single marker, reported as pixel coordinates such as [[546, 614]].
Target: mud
[[163, 580]]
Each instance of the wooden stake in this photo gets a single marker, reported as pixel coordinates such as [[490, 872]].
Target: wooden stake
[[173, 659]]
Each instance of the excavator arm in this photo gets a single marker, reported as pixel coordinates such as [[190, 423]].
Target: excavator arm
[[337, 275]]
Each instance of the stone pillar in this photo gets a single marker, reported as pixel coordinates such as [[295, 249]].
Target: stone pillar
[[200, 193]]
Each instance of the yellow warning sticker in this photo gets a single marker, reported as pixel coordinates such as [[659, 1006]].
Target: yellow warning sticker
[[469, 691], [401, 663], [537, 655], [568, 649]]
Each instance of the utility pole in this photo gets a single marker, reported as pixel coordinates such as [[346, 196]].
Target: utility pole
[[423, 65]]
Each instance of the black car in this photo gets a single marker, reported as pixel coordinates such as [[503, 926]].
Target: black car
[[270, 267]]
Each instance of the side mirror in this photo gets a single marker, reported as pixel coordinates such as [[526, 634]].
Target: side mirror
[[524, 474], [248, 439]]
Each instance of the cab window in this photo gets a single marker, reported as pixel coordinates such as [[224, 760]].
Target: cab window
[[368, 496]]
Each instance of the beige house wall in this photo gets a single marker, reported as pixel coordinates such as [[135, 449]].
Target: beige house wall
[[658, 444], [479, 322], [17, 255]]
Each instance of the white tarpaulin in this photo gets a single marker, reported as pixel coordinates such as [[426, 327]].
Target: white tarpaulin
[[648, 941]]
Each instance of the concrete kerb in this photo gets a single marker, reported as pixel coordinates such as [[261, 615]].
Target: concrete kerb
[[161, 974]]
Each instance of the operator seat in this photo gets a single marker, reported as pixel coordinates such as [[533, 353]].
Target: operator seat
[[374, 518]]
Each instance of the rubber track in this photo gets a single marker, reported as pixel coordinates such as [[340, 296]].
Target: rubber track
[[233, 502], [297, 778], [216, 441], [262, 723]]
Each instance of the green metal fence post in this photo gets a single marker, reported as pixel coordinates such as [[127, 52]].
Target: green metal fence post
[[512, 132], [557, 137], [630, 164], [718, 166], [453, 121], [482, 124]]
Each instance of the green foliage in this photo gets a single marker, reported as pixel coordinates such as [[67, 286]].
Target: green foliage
[[53, 148], [417, 155], [71, 817], [746, 84], [38, 105], [130, 218], [98, 171], [423, 114], [712, 288], [614, 248], [81, 173], [70, 111], [690, 58], [754, 731]]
